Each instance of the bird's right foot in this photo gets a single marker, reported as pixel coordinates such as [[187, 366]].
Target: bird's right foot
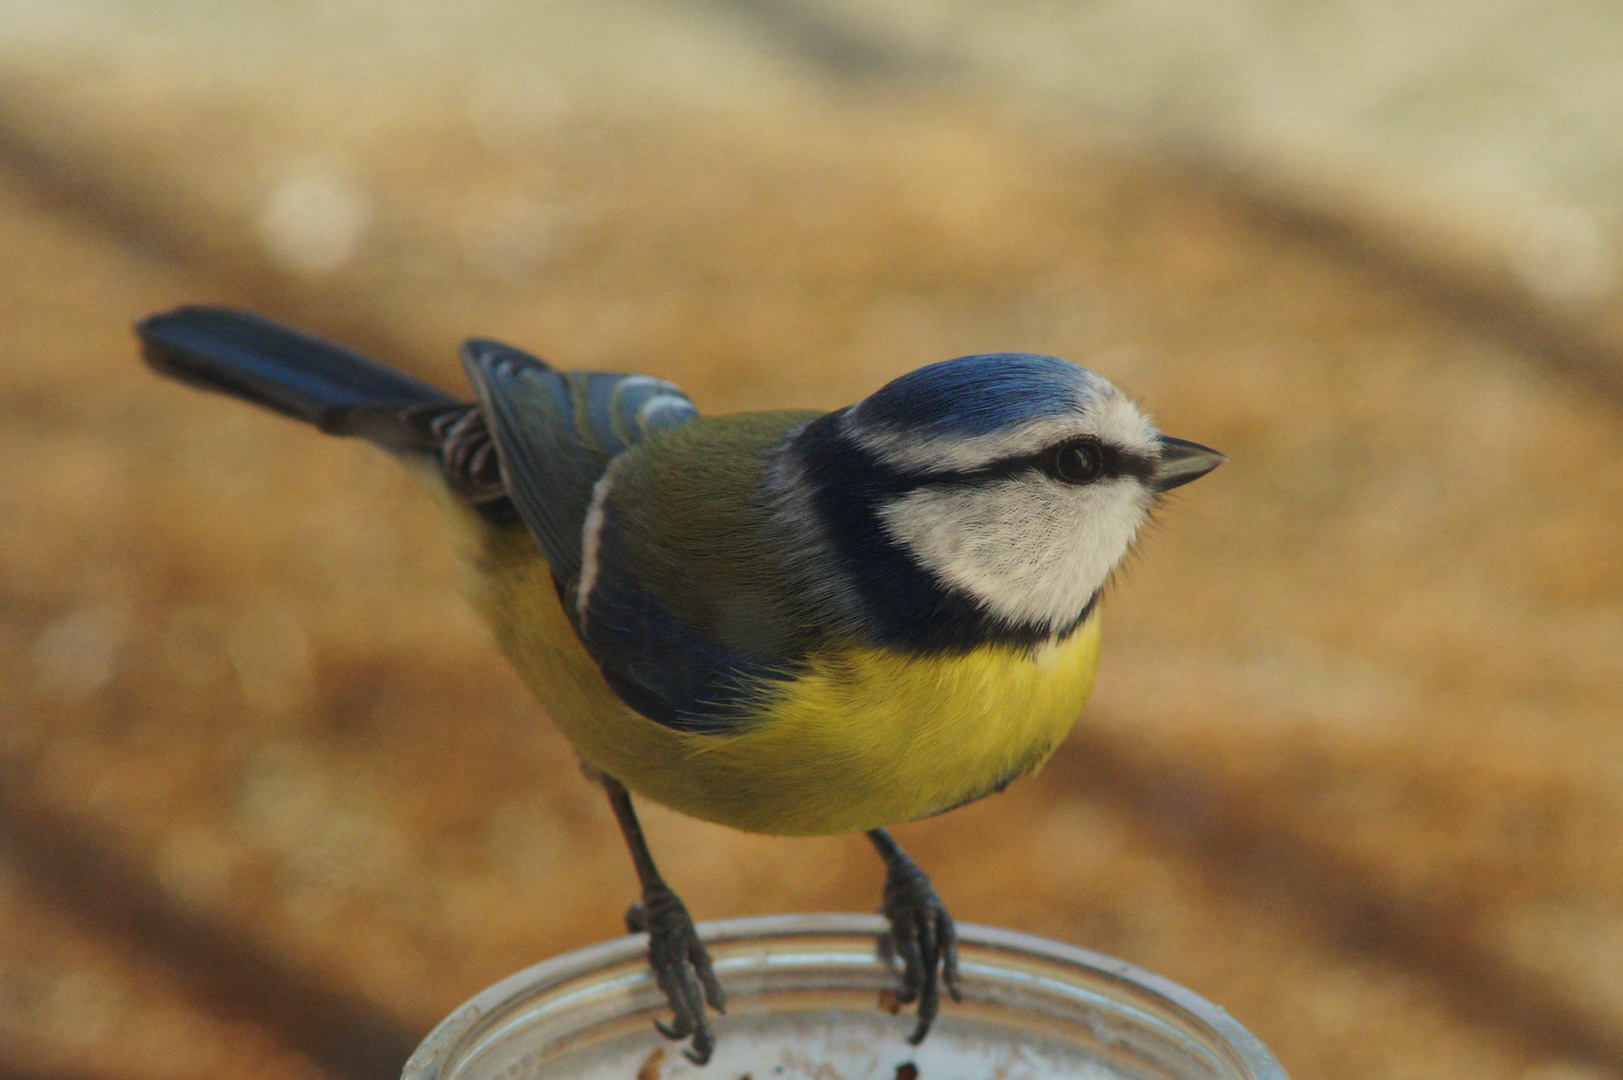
[[681, 967], [921, 934]]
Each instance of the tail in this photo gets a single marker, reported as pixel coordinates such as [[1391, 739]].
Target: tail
[[339, 391], [255, 359]]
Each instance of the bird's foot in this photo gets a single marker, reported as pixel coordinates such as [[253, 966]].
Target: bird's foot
[[922, 935], [681, 967]]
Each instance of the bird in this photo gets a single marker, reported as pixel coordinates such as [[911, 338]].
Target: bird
[[790, 622]]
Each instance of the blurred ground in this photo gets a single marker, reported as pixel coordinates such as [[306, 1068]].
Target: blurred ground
[[270, 802]]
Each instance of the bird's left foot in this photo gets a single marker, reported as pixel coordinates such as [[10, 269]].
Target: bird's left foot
[[681, 968], [921, 934]]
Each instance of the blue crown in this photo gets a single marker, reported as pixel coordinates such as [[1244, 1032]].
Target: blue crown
[[975, 395]]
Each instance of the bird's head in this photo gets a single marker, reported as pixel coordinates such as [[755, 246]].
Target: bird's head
[[1013, 480]]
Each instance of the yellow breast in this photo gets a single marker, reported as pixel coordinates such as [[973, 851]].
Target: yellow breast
[[864, 738]]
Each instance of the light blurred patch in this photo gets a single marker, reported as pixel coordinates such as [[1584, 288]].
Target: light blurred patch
[[325, 828], [313, 220], [513, 106], [76, 654], [1561, 254], [81, 1008]]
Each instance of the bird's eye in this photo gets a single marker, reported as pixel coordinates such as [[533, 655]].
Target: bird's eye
[[1080, 461]]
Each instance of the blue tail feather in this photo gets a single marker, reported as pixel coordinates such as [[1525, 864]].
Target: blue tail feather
[[250, 357]]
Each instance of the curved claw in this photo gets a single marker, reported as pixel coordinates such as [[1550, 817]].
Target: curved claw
[[703, 1047], [681, 967], [922, 935]]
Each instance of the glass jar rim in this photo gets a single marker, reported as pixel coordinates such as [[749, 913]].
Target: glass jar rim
[[489, 1005]]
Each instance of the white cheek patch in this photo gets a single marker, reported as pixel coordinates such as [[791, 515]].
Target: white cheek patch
[[1033, 551]]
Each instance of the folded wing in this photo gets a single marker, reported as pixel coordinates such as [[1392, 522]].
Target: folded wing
[[557, 435]]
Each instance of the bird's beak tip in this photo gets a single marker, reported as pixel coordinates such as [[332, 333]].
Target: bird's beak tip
[[1183, 461]]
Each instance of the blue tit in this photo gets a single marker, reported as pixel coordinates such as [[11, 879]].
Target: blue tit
[[794, 622]]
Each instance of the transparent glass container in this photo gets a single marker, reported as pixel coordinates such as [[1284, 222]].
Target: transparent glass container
[[808, 1000]]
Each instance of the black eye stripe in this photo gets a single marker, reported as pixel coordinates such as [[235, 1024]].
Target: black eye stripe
[[1116, 463]]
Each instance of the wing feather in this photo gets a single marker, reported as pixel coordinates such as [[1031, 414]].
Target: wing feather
[[556, 433]]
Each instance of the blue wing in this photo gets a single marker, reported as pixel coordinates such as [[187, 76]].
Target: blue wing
[[557, 431]]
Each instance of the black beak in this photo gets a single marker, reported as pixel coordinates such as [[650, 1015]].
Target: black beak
[[1182, 462]]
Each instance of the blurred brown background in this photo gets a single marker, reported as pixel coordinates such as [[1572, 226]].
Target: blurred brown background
[[270, 801]]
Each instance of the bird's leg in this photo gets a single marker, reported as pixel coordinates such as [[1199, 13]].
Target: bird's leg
[[921, 934], [681, 965]]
